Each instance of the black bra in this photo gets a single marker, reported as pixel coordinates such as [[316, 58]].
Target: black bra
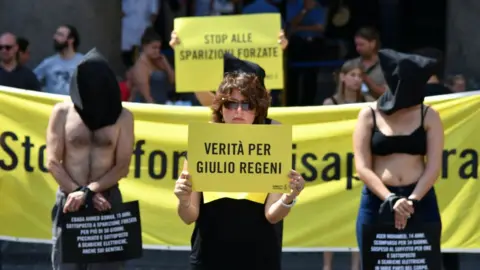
[[413, 144]]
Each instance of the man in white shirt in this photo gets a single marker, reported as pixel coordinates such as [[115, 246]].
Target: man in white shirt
[[137, 16]]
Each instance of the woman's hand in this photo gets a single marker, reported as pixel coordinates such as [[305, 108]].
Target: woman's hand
[[403, 207], [297, 183], [183, 188], [400, 221], [282, 40], [174, 39]]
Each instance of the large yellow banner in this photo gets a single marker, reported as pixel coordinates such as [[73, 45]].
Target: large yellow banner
[[324, 216], [204, 41]]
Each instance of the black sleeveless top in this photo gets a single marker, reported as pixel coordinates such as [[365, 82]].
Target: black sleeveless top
[[232, 234], [413, 144]]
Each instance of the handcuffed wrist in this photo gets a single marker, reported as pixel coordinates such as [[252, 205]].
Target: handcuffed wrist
[[390, 196], [88, 195]]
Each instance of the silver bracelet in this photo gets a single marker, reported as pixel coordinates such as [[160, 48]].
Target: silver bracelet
[[288, 205]]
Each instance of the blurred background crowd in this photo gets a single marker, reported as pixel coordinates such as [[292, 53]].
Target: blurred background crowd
[[331, 57]]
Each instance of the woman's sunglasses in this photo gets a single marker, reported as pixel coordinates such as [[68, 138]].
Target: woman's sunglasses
[[234, 105]]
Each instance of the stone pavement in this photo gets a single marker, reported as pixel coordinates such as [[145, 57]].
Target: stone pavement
[[21, 256]]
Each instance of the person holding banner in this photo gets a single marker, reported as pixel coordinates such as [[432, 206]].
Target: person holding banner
[[89, 146], [236, 233], [398, 145], [206, 98]]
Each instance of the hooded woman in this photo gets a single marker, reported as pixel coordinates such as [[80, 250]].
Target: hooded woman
[[398, 145]]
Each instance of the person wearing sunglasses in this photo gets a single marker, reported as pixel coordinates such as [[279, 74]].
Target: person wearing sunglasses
[[238, 232], [13, 73]]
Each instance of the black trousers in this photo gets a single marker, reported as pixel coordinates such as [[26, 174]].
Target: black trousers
[[451, 261]]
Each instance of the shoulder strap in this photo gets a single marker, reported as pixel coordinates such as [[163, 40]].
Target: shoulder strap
[[374, 118], [424, 112], [334, 100]]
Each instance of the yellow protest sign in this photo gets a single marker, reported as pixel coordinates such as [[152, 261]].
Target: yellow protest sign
[[204, 41], [239, 158]]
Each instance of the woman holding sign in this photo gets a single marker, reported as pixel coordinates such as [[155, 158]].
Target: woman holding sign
[[398, 145], [236, 233], [206, 98]]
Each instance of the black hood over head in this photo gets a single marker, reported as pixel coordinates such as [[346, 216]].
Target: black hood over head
[[406, 76], [233, 64], [95, 92]]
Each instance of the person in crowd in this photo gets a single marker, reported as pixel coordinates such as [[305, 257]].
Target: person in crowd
[[306, 22], [434, 85], [137, 15], [236, 233], [349, 85], [206, 98], [451, 261], [199, 8], [23, 50], [12, 73], [126, 85], [398, 145], [258, 7], [56, 71], [348, 91], [367, 44], [153, 77], [457, 83], [89, 147]]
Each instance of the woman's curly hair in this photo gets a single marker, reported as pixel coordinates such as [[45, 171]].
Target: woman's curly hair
[[250, 87]]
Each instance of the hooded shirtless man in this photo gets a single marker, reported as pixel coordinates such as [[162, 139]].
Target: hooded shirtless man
[[89, 146]]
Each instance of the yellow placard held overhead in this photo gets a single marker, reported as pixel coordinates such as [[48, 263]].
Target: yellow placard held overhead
[[204, 41], [239, 158]]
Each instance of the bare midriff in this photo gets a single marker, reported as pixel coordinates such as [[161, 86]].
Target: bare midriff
[[399, 169]]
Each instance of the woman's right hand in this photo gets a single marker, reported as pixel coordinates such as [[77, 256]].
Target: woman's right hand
[[403, 207], [183, 188], [174, 39]]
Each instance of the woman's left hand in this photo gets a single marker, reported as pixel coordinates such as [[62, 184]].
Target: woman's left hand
[[282, 40], [297, 183]]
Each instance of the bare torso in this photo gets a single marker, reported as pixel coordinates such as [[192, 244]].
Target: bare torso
[[399, 169], [88, 155], [142, 69]]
